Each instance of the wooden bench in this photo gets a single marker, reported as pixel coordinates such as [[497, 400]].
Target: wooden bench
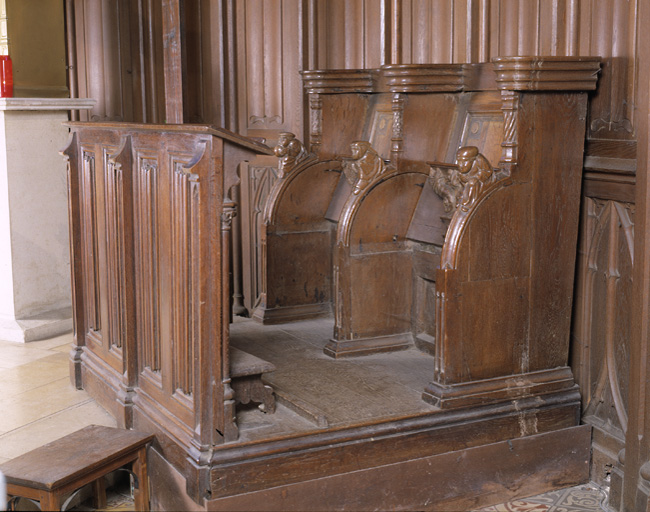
[[246, 371], [54, 471]]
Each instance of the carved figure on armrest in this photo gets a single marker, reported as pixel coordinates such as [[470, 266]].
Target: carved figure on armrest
[[290, 151], [364, 165], [475, 171], [460, 185]]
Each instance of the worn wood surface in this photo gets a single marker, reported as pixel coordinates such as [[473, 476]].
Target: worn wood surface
[[56, 469], [153, 316], [459, 480]]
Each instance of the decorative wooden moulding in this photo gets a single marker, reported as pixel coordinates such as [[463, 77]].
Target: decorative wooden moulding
[[339, 81], [547, 73]]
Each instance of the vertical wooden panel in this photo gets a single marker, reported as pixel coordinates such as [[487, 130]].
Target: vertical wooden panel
[[483, 54], [257, 180], [375, 22], [269, 57], [601, 333], [173, 61], [549, 28], [613, 36], [572, 28], [146, 262], [495, 28], [94, 56], [509, 28], [442, 17], [273, 68], [528, 27], [115, 248], [185, 195], [354, 33], [152, 63], [461, 16], [633, 493], [420, 40], [90, 262], [253, 15], [192, 60], [110, 44], [213, 68]]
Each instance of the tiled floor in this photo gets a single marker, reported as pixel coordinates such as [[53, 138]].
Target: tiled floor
[[582, 498], [39, 405]]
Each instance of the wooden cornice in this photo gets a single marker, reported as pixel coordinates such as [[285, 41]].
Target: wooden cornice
[[547, 73]]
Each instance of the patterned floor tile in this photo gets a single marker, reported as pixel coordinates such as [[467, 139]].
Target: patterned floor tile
[[583, 498]]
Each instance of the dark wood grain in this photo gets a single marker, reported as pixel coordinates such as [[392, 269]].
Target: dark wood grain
[[54, 470], [468, 274]]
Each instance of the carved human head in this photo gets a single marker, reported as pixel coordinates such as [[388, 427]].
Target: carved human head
[[284, 139], [465, 158], [359, 148]]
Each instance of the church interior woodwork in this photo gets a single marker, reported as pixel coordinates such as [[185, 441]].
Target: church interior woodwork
[[323, 244], [152, 209]]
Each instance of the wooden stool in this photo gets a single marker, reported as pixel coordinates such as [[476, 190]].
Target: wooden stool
[[51, 472], [246, 372]]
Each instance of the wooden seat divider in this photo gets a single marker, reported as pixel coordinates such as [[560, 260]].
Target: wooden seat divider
[[390, 238], [52, 472], [246, 371]]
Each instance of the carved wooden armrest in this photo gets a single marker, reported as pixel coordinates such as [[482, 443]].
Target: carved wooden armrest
[[461, 184]]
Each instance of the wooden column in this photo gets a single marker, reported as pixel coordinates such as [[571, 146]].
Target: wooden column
[[637, 444]]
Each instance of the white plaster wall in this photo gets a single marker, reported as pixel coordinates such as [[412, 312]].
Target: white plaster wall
[[35, 296], [7, 310], [38, 210]]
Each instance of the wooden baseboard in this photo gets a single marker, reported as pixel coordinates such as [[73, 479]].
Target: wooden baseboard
[[481, 392], [365, 346], [455, 480], [105, 386], [281, 315]]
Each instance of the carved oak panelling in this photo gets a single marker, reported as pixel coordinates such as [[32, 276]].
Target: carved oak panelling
[[117, 51], [350, 34], [609, 29], [185, 285], [88, 195], [476, 30], [147, 251], [115, 251], [269, 57], [602, 324], [256, 184]]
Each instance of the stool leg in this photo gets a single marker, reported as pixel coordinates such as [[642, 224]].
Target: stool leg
[[141, 494], [49, 501], [99, 493]]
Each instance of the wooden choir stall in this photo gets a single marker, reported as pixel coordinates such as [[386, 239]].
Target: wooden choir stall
[[409, 346]]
